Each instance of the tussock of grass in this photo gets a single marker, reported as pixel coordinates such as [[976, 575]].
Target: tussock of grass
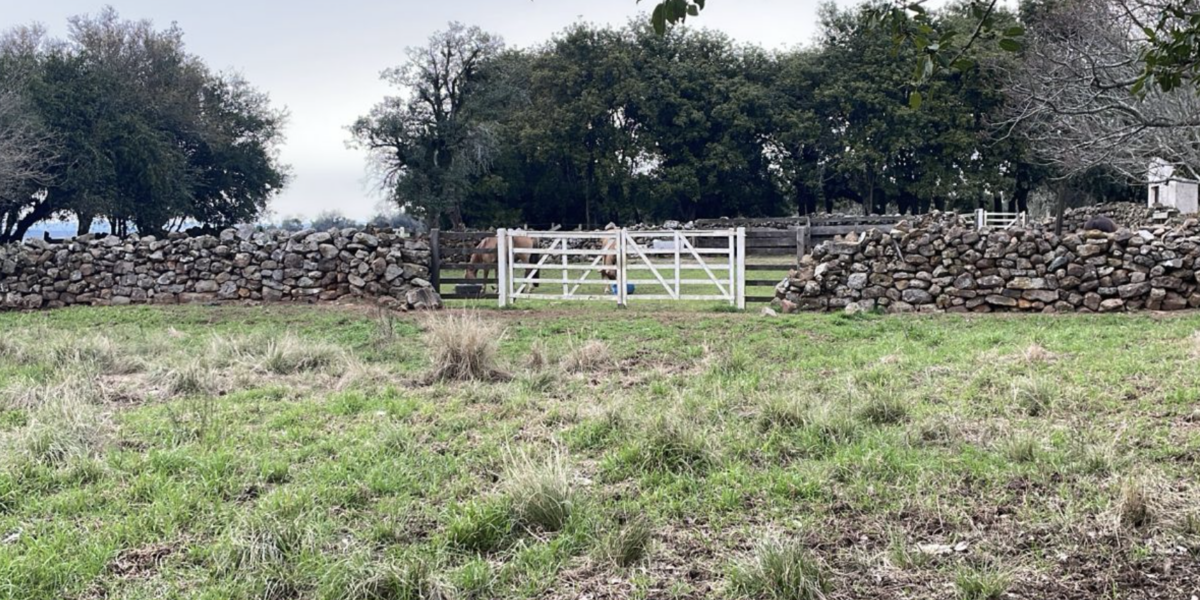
[[591, 356], [91, 354], [674, 444], [1035, 353], [462, 347], [780, 571], [360, 577], [628, 544], [540, 492], [977, 584], [263, 541], [1135, 506], [480, 526], [1035, 395], [193, 378], [1022, 448], [290, 354], [65, 426], [831, 425], [882, 409], [538, 358], [784, 412]]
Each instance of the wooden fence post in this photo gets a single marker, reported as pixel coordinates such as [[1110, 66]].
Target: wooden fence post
[[435, 260]]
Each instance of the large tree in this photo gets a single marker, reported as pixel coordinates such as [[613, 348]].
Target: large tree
[[149, 137], [431, 142]]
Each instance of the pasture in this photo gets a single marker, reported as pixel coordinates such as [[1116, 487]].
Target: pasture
[[337, 453]]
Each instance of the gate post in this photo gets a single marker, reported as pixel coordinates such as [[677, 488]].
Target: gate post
[[980, 218], [741, 268], [502, 278], [622, 276]]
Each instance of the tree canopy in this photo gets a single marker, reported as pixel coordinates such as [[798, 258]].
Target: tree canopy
[[137, 131]]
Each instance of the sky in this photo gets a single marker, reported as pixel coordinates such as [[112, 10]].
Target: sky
[[322, 60]]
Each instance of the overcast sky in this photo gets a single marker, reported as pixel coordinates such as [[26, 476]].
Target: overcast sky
[[322, 60]]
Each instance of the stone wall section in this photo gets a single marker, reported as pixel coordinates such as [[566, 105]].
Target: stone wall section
[[941, 263], [239, 264]]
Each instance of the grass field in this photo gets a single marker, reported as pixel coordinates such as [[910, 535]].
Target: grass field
[[300, 452]]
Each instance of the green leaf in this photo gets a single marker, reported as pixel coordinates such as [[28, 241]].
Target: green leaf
[[694, 11], [1014, 32], [1010, 45], [963, 65], [659, 19], [914, 100]]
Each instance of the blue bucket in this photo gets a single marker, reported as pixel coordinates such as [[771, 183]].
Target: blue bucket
[[612, 289]]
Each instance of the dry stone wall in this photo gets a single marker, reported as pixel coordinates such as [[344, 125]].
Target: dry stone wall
[[941, 263], [238, 264]]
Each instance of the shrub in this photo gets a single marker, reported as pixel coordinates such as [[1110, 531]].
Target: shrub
[[780, 571], [463, 347], [540, 493]]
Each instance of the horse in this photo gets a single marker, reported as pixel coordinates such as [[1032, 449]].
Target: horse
[[610, 245], [486, 261], [1104, 224]]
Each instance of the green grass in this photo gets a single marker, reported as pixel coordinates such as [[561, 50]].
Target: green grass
[[309, 452]]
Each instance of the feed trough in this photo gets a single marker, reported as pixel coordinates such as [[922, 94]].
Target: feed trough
[[468, 289]]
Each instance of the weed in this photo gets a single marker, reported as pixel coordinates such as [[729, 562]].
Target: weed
[[463, 347], [780, 571]]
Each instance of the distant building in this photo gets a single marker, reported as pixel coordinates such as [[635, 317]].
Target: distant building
[[1167, 190]]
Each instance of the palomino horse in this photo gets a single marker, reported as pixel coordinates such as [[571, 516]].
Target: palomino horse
[[487, 261], [610, 245]]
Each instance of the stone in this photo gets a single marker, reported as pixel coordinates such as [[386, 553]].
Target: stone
[[991, 281], [1040, 295], [1112, 305], [857, 281], [206, 286], [1027, 283], [965, 282], [1132, 290], [917, 296], [998, 300]]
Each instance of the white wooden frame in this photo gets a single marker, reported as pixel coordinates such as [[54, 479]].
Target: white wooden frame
[[724, 267], [1000, 220]]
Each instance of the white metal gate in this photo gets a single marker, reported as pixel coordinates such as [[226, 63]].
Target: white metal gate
[[669, 265]]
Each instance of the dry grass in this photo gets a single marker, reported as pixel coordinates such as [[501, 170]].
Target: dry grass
[[64, 426], [592, 355], [462, 347], [540, 491], [1135, 505], [1036, 353], [629, 544]]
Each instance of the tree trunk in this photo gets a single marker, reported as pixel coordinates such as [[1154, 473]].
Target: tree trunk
[[1060, 208], [85, 223]]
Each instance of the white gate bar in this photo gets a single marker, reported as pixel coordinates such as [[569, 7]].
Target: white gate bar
[[536, 270], [502, 273], [678, 264], [704, 266], [741, 271], [653, 268], [732, 270], [622, 288]]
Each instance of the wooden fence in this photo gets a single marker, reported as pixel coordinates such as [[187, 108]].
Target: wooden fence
[[451, 251]]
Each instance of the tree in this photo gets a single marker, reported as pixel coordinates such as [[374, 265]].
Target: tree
[[1070, 95], [430, 144], [149, 137], [27, 155]]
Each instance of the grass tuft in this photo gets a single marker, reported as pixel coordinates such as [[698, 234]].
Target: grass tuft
[[780, 571], [1034, 395], [540, 492], [194, 378], [674, 444], [882, 409], [1134, 508], [783, 412], [976, 584], [480, 526], [359, 577], [593, 355], [64, 427], [629, 544], [289, 354], [463, 347]]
